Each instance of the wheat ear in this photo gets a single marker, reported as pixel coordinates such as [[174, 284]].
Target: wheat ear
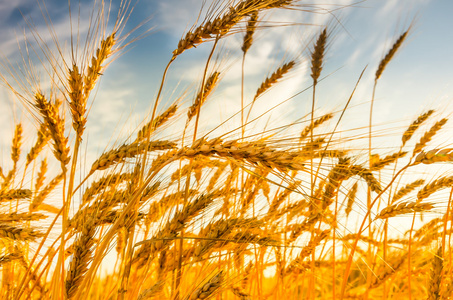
[[428, 136], [151, 126], [15, 154], [17, 142], [221, 25], [16, 255], [434, 156], [273, 78], [316, 123], [7, 195], [407, 189], [109, 180], [203, 94], [336, 176], [208, 288], [94, 70], [387, 160], [388, 57], [18, 233], [118, 155], [18, 217], [317, 56], [351, 198], [41, 175], [250, 30], [427, 190], [81, 257], [43, 138], [174, 226], [55, 125], [240, 293], [436, 276], [307, 250], [77, 101], [152, 291], [403, 208], [366, 174], [415, 125], [383, 276], [38, 199], [16, 145]]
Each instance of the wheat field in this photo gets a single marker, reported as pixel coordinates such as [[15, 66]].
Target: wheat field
[[245, 209]]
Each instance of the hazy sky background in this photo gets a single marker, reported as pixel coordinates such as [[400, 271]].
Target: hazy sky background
[[420, 77]]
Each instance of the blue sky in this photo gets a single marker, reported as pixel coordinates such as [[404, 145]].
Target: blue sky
[[420, 77]]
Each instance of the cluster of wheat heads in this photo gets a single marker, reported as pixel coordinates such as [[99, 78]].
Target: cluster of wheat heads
[[286, 213]]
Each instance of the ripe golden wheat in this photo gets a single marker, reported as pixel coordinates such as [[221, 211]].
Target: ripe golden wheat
[[229, 215]]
